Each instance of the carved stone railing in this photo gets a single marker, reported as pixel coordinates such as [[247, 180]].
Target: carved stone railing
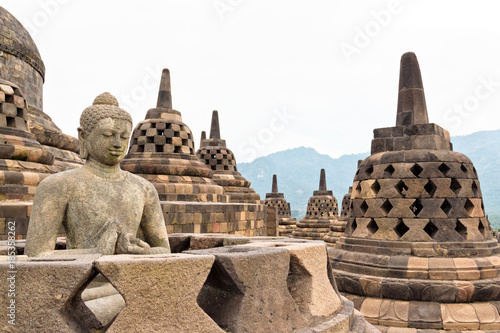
[[218, 284]]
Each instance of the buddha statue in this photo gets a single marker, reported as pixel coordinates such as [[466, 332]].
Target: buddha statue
[[102, 208]]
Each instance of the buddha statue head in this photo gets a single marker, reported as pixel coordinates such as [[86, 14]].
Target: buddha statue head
[[104, 131]]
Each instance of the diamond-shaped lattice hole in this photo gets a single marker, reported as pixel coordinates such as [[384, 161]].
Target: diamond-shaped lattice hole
[[461, 229], [364, 207], [469, 206], [430, 229], [446, 206], [358, 188], [100, 296], [354, 225], [475, 188], [401, 229], [463, 168], [416, 207], [482, 229], [416, 169], [455, 186], [430, 188], [372, 226], [389, 170], [369, 171], [375, 187], [444, 168], [401, 187], [386, 207]]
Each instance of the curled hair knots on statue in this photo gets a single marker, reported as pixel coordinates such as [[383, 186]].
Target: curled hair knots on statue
[[105, 106]]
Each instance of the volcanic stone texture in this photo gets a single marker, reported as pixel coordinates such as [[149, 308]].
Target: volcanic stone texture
[[264, 285], [418, 248]]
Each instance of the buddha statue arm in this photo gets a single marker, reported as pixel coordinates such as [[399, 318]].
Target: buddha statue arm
[[47, 216], [153, 224]]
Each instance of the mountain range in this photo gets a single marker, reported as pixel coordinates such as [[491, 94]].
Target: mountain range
[[298, 172]]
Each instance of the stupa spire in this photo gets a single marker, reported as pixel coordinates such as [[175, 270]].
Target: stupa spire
[[322, 180], [275, 184], [214, 128], [412, 108], [164, 93], [203, 137]]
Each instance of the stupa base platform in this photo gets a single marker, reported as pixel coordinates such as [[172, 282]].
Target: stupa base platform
[[209, 217], [286, 230], [413, 316]]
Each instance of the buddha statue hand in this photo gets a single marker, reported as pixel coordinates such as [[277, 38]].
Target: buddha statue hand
[[128, 244], [107, 243]]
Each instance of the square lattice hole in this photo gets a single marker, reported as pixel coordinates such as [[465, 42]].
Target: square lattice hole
[[364, 207], [446, 207], [386, 207], [455, 186], [475, 188], [461, 229], [369, 171], [416, 207], [416, 169], [469, 206], [444, 168], [401, 229], [389, 170], [430, 188], [402, 188], [375, 187], [372, 227], [430, 229], [482, 229]]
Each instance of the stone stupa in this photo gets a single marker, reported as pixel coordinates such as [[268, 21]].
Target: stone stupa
[[221, 161], [418, 251], [286, 223], [322, 212], [162, 151]]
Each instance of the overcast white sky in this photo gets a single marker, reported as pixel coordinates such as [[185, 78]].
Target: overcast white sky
[[282, 73]]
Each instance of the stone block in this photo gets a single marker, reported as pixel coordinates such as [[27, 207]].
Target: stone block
[[165, 301], [425, 315], [47, 294], [247, 290], [459, 317], [370, 308], [394, 313]]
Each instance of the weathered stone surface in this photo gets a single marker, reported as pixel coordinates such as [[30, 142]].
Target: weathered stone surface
[[307, 279], [140, 279], [57, 282], [100, 206], [237, 298]]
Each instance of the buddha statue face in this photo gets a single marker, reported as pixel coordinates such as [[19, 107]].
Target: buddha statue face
[[104, 131], [107, 143]]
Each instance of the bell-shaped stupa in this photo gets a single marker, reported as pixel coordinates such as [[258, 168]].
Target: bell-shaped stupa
[[418, 250], [221, 161], [337, 229], [162, 151], [322, 212], [286, 223]]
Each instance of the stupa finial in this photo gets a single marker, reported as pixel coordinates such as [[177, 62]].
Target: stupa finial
[[275, 184], [412, 108], [322, 180], [214, 128], [203, 137], [164, 93]]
